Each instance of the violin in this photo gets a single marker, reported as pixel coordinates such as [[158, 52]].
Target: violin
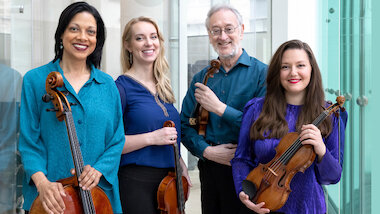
[[200, 115], [173, 190], [77, 200], [271, 182]]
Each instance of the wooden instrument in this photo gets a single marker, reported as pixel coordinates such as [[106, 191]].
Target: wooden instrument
[[271, 182], [173, 190], [77, 200], [199, 117]]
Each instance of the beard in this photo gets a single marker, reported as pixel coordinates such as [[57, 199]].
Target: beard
[[232, 54]]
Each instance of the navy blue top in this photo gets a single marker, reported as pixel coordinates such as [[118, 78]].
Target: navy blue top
[[234, 88], [145, 112], [307, 195]]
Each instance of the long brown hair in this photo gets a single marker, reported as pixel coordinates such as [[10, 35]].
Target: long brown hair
[[161, 65], [271, 122]]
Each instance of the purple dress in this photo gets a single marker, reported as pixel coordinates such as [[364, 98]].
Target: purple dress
[[307, 195]]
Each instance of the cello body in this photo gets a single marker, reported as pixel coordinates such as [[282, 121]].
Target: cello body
[[73, 202]]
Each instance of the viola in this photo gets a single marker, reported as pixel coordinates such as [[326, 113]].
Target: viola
[[200, 115], [270, 183], [173, 190], [77, 200]]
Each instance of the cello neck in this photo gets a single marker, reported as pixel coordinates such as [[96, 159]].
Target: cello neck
[[178, 173], [86, 197]]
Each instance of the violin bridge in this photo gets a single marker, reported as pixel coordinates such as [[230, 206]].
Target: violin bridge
[[272, 172], [192, 121]]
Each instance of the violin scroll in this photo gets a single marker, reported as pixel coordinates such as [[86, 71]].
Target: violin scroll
[[339, 104], [59, 100], [169, 123]]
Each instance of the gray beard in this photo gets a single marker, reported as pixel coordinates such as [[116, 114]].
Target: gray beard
[[227, 56]]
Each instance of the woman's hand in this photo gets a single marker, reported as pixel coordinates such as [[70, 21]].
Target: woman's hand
[[311, 135], [50, 193], [164, 136], [89, 178], [258, 208]]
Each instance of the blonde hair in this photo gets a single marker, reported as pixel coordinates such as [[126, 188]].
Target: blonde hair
[[160, 66]]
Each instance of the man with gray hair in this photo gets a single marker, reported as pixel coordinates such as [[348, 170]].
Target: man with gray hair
[[240, 78]]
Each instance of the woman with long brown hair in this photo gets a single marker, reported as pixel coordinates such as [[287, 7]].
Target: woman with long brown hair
[[293, 100]]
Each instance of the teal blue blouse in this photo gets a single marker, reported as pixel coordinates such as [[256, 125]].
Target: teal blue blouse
[[44, 144]]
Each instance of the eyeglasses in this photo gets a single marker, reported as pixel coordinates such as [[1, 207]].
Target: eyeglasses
[[217, 31]]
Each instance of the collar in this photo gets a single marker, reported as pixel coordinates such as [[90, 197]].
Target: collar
[[96, 74], [244, 59]]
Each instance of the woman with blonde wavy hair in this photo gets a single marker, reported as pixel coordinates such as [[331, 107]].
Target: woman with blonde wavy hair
[[147, 102]]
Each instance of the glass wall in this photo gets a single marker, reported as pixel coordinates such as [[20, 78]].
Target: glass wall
[[349, 53]]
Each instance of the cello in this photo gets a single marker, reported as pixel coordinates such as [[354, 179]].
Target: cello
[[173, 190], [77, 200], [270, 182], [199, 116]]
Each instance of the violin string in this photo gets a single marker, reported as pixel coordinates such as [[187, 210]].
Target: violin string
[[284, 158]]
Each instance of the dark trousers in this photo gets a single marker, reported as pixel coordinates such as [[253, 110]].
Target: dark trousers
[[218, 195], [138, 188]]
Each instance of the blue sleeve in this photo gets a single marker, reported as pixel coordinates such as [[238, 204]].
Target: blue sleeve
[[243, 162], [195, 143], [122, 96], [234, 116], [329, 170], [32, 149]]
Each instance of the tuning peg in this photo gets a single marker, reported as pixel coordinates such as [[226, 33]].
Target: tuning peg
[[50, 109], [47, 98], [65, 93]]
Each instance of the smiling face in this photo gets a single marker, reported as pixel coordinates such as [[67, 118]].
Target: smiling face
[[79, 38], [295, 75], [226, 45], [144, 43]]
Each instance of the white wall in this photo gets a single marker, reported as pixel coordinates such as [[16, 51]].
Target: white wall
[[294, 19]]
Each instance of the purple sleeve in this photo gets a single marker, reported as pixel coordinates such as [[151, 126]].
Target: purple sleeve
[[243, 161], [329, 170]]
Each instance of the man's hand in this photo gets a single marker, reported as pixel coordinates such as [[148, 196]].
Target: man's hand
[[222, 154], [208, 100]]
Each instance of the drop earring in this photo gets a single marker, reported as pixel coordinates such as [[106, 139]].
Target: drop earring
[[130, 58], [61, 45]]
